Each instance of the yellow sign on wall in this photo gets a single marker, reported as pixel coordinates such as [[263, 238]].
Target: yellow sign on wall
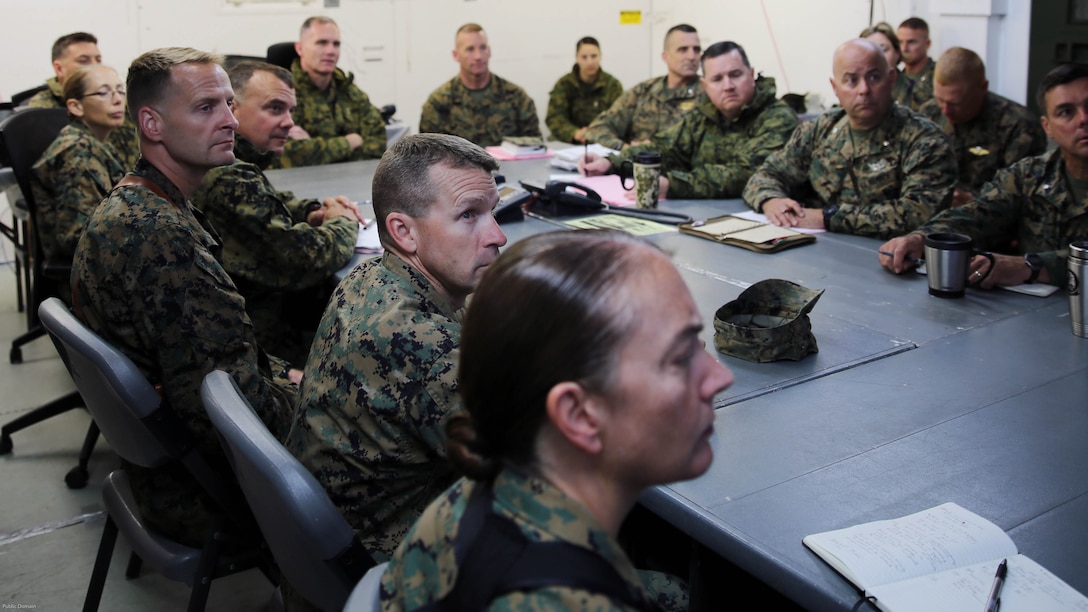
[[630, 17]]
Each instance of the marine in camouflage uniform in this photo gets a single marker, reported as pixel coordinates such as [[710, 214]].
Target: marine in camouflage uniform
[[643, 111], [146, 279], [1002, 134], [1029, 205], [125, 142], [270, 250], [707, 155], [328, 117], [482, 116], [885, 181], [69, 180], [916, 88], [379, 383], [424, 569], [573, 104]]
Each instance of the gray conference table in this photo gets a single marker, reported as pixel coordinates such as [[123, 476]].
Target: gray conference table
[[911, 401]]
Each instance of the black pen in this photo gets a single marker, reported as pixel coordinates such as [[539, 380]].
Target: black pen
[[913, 260], [993, 602]]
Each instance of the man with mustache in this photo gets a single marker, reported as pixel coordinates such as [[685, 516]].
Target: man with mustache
[[477, 104], [872, 167], [1039, 205], [713, 151], [655, 104], [281, 251], [381, 378]]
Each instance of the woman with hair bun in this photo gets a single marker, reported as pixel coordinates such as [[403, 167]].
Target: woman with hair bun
[[575, 405]]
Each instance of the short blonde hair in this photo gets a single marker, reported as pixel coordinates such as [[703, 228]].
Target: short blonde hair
[[959, 65]]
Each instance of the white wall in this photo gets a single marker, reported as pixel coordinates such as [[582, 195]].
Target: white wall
[[400, 49]]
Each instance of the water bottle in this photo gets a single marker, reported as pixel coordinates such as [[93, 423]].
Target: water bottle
[[1078, 276]]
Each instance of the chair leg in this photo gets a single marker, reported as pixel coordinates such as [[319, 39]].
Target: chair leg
[[39, 414], [132, 570], [205, 572], [32, 334], [76, 478], [101, 566]]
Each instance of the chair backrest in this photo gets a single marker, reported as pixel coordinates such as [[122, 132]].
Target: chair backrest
[[281, 54], [18, 98], [314, 546], [25, 135], [116, 393], [127, 409]]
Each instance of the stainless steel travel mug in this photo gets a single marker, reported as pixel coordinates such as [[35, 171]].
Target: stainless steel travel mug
[[1078, 275]]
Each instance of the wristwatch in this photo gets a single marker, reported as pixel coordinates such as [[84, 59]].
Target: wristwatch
[[1034, 263], [829, 211]]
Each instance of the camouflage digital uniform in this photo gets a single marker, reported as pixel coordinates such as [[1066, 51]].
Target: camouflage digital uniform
[[483, 116], [328, 117], [424, 569], [1002, 134], [643, 111], [573, 104], [917, 88], [145, 278], [68, 181], [380, 381], [125, 141], [706, 155], [886, 181], [1028, 206], [270, 250]]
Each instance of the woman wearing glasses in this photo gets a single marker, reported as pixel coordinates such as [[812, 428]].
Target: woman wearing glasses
[[77, 171]]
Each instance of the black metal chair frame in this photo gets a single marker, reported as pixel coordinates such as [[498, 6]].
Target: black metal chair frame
[[24, 136]]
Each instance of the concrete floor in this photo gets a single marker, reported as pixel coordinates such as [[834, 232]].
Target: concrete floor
[[49, 533]]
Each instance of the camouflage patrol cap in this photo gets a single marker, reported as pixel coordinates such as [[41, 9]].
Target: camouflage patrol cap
[[767, 322]]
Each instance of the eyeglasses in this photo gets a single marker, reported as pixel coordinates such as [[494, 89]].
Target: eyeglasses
[[106, 93]]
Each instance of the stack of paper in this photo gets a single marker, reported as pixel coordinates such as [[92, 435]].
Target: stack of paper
[[567, 159]]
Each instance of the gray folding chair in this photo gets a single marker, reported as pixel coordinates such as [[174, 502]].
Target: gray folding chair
[[130, 414], [312, 543]]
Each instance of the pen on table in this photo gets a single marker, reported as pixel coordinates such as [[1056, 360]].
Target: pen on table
[[993, 602], [913, 260]]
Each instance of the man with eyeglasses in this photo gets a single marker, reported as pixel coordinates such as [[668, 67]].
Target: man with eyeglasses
[[872, 167], [70, 52]]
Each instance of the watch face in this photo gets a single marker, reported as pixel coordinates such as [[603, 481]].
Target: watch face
[[1033, 260]]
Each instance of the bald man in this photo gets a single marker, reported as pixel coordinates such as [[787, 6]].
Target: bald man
[[871, 167], [988, 132]]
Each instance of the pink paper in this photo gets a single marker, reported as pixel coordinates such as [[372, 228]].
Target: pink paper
[[609, 188], [502, 154]]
